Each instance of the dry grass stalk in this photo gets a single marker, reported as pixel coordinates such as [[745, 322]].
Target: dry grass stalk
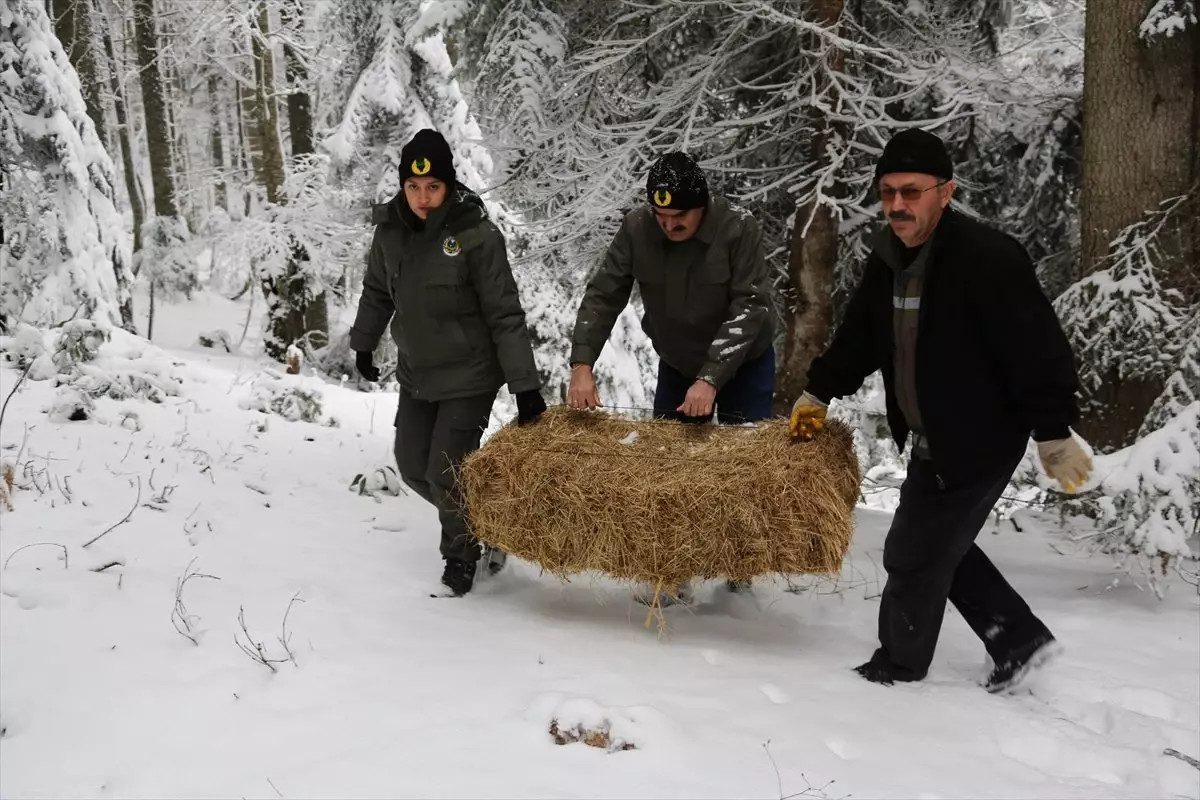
[[663, 502]]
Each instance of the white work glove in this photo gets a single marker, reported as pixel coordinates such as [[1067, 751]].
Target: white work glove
[[1065, 461]]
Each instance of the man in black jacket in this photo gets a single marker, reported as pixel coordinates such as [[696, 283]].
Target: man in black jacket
[[974, 362]]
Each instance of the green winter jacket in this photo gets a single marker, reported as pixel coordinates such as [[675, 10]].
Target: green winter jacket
[[446, 287], [707, 310]]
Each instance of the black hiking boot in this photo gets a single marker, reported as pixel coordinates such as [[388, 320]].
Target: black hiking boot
[[458, 576], [1010, 673], [884, 673]]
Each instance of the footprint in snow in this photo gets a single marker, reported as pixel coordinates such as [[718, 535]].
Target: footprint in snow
[[713, 657]]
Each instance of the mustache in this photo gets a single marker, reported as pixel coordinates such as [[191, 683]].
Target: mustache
[[901, 216]]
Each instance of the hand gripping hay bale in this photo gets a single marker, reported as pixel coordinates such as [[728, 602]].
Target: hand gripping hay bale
[[663, 502]]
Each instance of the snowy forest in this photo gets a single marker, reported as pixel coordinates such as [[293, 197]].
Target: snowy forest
[[216, 582], [154, 150]]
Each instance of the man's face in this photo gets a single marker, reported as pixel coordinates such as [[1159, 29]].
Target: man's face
[[679, 226], [424, 195], [913, 203]]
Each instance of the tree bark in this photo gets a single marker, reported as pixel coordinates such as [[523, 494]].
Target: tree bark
[[299, 108], [266, 149], [125, 139], [74, 27], [315, 310], [1140, 111], [157, 130], [217, 144], [812, 258]]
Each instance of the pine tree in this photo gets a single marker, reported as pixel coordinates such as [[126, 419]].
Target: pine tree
[[62, 246]]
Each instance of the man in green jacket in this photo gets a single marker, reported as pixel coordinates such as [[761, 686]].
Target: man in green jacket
[[439, 272], [699, 267]]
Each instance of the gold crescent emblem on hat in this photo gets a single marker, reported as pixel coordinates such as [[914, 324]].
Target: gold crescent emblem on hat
[[421, 166], [662, 198]]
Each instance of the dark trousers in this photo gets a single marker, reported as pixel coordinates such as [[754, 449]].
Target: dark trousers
[[746, 397], [930, 556], [431, 440]]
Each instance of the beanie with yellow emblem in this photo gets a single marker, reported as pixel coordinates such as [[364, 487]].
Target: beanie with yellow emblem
[[676, 182], [427, 155]]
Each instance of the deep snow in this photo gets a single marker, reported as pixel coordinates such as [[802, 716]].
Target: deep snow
[[396, 694]]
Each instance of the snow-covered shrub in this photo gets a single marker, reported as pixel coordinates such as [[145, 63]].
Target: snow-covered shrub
[[23, 346], [168, 257], [1148, 501], [71, 405], [122, 381], [276, 396], [78, 342]]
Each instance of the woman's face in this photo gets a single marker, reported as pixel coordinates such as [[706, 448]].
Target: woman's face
[[424, 195]]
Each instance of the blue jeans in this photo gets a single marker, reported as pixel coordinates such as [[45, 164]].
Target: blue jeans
[[746, 397]]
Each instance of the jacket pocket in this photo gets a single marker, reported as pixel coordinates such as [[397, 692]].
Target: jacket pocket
[[649, 270], [448, 294]]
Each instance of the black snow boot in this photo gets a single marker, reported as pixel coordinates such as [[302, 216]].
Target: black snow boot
[[882, 672], [1009, 673], [458, 576]]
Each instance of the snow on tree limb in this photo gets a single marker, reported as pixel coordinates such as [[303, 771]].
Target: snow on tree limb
[[1167, 18], [62, 230]]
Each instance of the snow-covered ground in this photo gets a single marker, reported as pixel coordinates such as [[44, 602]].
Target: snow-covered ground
[[391, 693]]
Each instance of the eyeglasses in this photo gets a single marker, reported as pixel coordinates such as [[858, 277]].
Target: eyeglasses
[[887, 194]]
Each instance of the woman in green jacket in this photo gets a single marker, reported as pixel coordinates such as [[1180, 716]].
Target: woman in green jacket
[[439, 273]]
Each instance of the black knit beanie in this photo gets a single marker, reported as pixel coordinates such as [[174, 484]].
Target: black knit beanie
[[915, 150], [676, 182], [427, 155]]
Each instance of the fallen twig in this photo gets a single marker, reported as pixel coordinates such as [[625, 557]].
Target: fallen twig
[[66, 557], [1173, 753], [109, 565], [124, 519], [286, 637], [258, 653], [180, 618]]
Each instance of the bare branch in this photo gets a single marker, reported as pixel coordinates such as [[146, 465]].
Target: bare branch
[[125, 519], [66, 557]]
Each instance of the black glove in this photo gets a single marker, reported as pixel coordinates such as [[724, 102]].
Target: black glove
[[530, 406], [365, 366]]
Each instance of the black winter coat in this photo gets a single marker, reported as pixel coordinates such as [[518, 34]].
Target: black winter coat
[[993, 365]]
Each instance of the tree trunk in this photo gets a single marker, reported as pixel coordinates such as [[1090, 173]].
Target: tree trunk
[[1140, 107], [158, 140], [74, 27], [157, 129], [266, 150], [285, 317], [812, 259], [217, 144], [314, 311], [124, 137], [299, 109]]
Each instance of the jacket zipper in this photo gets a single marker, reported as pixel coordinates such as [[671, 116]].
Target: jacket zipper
[[922, 313]]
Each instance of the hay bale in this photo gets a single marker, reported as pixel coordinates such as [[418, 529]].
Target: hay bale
[[663, 502]]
